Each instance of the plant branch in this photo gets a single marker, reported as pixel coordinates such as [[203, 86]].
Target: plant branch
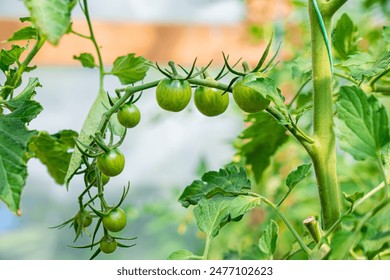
[[129, 91], [377, 78], [304, 139], [209, 83], [302, 244], [385, 90], [352, 209], [93, 39], [345, 77], [298, 92]]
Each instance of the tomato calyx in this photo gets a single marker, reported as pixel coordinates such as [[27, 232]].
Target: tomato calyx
[[174, 75], [259, 67]]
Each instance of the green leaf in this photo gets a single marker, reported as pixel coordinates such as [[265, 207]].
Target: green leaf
[[386, 33], [362, 124], [53, 151], [301, 68], [181, 255], [260, 141], [130, 69], [50, 17], [9, 57], [86, 59], [88, 129], [269, 239], [363, 65], [91, 123], [376, 244], [231, 180], [342, 243], [297, 175], [14, 138], [25, 95], [25, 33], [345, 37], [352, 198], [268, 89], [212, 214]]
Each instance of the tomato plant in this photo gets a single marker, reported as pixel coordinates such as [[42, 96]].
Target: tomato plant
[[302, 117]]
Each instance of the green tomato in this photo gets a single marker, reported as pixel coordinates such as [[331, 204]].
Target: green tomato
[[173, 95], [87, 221], [248, 99], [111, 163], [128, 115], [115, 220], [91, 178], [210, 101], [83, 218], [108, 244]]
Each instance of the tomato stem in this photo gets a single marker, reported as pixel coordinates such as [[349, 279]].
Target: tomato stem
[[323, 151], [313, 228], [206, 248], [93, 39], [286, 222], [173, 67]]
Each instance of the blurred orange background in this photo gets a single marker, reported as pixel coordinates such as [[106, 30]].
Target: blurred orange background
[[162, 42]]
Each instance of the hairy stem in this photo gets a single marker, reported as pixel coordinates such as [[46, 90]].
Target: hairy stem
[[93, 39], [286, 222], [323, 152], [289, 226], [206, 248]]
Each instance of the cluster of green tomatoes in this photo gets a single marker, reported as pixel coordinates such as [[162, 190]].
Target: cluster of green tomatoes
[[173, 93]]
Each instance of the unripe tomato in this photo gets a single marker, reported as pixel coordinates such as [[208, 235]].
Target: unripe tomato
[[210, 101], [128, 115], [83, 218], [247, 98], [91, 178], [111, 163], [115, 220], [173, 95], [87, 221], [108, 244]]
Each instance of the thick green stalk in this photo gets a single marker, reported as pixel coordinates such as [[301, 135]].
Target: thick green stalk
[[323, 152]]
